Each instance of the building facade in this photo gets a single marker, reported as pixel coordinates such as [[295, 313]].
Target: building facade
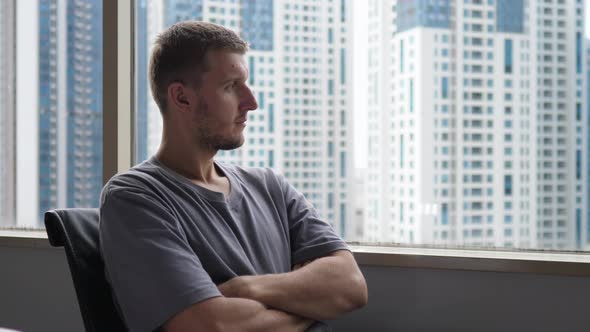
[[70, 104], [476, 123]]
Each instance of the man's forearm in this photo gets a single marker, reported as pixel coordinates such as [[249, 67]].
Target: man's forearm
[[323, 289], [261, 319], [237, 314]]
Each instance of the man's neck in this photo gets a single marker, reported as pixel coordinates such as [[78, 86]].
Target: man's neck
[[196, 165]]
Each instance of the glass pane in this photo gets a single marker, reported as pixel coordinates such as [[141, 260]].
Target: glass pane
[[462, 125], [301, 78], [52, 137], [7, 115]]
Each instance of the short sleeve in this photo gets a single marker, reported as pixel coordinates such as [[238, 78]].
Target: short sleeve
[[152, 269], [310, 236]]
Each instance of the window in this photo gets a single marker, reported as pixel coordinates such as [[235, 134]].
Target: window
[[508, 185], [508, 56], [579, 52], [401, 56], [304, 98], [445, 87], [51, 121], [510, 15]]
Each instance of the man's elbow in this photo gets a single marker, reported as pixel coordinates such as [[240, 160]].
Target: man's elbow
[[359, 296], [354, 296]]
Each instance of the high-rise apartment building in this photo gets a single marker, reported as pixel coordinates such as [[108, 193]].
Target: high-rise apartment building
[[476, 123], [7, 114], [70, 104], [300, 73]]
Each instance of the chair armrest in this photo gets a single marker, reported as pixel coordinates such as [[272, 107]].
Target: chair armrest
[[55, 229]]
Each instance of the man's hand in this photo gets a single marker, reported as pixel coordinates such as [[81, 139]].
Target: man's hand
[[234, 314], [236, 287], [324, 288], [240, 287]]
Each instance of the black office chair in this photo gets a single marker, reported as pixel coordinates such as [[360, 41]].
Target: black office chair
[[77, 231]]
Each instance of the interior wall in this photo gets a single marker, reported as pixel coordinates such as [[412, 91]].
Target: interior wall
[[36, 291], [409, 299], [36, 294]]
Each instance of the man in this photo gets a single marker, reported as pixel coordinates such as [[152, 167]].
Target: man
[[190, 244]]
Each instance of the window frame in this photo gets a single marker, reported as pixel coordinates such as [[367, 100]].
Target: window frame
[[118, 86]]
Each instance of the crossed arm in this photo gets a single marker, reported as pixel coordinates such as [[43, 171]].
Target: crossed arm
[[321, 289]]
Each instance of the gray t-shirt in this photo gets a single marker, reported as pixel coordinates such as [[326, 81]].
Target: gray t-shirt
[[168, 242]]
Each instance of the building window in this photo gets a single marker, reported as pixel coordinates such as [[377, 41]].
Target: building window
[[445, 87], [579, 52], [343, 164], [401, 56], [510, 16], [508, 56], [271, 158], [578, 164], [578, 228], [261, 99], [508, 185], [251, 70], [342, 66], [271, 118]]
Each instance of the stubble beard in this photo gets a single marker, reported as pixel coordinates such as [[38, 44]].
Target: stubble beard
[[210, 139]]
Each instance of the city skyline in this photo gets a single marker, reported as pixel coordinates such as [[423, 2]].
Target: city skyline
[[341, 92]]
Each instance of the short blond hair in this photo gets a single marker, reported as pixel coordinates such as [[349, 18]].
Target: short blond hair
[[179, 55]]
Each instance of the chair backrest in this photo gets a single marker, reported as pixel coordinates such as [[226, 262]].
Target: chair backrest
[[77, 231]]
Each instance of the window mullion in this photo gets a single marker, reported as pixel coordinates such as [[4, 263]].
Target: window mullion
[[117, 86]]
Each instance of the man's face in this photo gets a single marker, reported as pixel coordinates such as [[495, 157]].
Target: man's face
[[224, 100]]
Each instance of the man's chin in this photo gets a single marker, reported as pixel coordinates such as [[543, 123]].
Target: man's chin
[[231, 145]]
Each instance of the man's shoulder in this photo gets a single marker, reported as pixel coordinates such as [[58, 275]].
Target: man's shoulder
[[140, 177], [253, 175]]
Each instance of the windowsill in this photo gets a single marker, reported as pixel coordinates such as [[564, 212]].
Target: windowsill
[[24, 239], [536, 262]]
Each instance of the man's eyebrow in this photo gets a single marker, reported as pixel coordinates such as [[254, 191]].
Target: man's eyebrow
[[234, 78]]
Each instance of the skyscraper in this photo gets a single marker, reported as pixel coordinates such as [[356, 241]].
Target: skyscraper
[[300, 74], [70, 104], [476, 128]]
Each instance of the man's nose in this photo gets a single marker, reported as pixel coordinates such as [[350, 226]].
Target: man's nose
[[249, 102]]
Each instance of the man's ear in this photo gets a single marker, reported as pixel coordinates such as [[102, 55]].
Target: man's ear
[[179, 96]]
